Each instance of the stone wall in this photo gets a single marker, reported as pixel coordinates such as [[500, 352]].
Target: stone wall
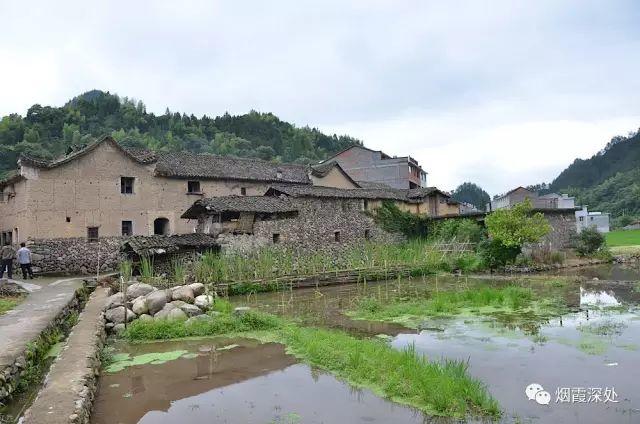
[[13, 373], [75, 255], [325, 224], [563, 228], [68, 393]]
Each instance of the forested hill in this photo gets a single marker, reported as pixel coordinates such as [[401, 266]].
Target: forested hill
[[608, 182], [620, 155], [52, 131]]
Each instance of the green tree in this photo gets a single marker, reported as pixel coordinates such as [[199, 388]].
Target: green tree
[[516, 226], [471, 193]]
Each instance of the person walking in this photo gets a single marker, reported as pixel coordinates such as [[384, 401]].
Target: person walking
[[7, 255], [24, 259]]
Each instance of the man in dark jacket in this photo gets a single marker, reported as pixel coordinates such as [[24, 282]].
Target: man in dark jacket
[[7, 255]]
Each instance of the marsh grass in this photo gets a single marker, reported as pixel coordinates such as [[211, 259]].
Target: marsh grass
[[440, 388], [271, 263], [146, 269], [222, 324], [443, 303], [126, 270], [178, 271]]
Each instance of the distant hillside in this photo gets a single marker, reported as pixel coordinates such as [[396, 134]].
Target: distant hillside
[[608, 181], [621, 154], [52, 131]]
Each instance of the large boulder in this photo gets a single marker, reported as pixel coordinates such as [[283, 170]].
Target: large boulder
[[184, 293], [191, 310], [140, 306], [117, 315], [198, 289], [241, 310], [177, 314], [114, 300], [156, 301], [203, 301], [164, 312], [138, 289], [203, 317]]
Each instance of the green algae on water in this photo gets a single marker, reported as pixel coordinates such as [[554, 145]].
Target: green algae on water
[[123, 360]]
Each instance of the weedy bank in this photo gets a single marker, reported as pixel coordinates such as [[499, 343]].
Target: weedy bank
[[442, 388]]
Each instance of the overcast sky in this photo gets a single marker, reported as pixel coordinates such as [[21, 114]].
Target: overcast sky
[[498, 93]]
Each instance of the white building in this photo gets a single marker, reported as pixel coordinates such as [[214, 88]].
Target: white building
[[586, 219]]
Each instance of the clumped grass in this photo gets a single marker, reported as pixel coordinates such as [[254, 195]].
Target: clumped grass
[[443, 303], [126, 270], [179, 271], [7, 303], [146, 268], [222, 324], [440, 388]]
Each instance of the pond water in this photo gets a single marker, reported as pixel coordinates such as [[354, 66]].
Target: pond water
[[595, 346], [234, 381]]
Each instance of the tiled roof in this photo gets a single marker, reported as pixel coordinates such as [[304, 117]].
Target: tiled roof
[[405, 195], [258, 204], [371, 184], [158, 245], [140, 156], [190, 165]]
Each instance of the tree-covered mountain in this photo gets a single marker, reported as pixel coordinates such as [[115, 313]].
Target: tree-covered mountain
[[608, 181], [619, 155], [471, 193], [49, 132]]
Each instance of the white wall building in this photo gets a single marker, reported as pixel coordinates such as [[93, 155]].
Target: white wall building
[[586, 219]]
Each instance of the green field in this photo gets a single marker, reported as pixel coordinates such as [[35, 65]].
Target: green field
[[623, 238]]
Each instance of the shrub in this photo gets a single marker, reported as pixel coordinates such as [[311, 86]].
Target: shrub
[[516, 226], [588, 241], [495, 254], [463, 230]]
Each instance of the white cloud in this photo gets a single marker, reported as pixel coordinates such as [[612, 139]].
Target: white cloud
[[469, 146], [471, 84]]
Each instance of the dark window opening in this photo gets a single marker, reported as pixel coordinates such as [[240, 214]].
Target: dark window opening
[[92, 234], [365, 205], [6, 238], [230, 216], [336, 236], [367, 234], [127, 228], [276, 238], [161, 226], [68, 219], [243, 191], [126, 185], [193, 187]]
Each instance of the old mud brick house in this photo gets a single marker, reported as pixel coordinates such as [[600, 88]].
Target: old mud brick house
[[75, 210]]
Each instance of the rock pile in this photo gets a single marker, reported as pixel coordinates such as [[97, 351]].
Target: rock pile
[[143, 301]]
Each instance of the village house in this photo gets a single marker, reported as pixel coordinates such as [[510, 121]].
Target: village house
[[373, 166], [76, 209], [308, 217]]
